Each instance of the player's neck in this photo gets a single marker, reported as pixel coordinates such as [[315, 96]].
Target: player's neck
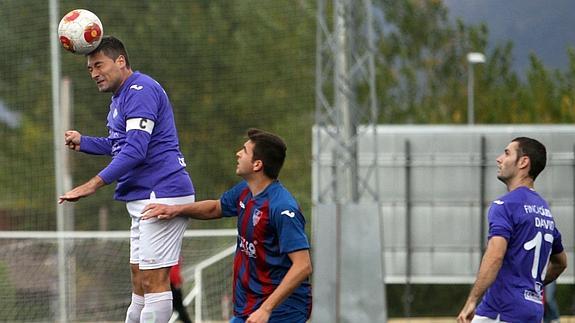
[[519, 182], [125, 75], [258, 183]]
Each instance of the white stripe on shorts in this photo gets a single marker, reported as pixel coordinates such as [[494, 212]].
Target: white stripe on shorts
[[485, 319]]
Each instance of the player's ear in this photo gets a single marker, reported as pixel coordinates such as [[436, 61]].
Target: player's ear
[[524, 162], [258, 165], [121, 60]]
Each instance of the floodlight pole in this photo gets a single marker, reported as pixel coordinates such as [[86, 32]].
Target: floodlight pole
[[346, 191], [472, 59], [347, 186]]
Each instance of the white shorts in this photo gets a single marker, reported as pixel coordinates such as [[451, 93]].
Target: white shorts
[[156, 243], [485, 319]]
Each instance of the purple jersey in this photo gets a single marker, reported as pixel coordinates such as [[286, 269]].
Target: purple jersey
[[143, 143], [523, 218], [270, 225]]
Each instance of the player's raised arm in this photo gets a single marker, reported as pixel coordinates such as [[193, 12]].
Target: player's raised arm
[[202, 210]]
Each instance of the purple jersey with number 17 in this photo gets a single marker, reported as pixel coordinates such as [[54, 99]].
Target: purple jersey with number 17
[[143, 143], [523, 218]]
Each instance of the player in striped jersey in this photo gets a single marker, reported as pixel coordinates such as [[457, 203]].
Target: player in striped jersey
[[147, 165], [272, 262]]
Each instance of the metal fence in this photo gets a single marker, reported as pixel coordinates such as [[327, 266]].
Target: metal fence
[[436, 183]]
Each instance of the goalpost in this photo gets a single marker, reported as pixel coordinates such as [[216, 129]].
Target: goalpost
[[195, 296], [97, 274]]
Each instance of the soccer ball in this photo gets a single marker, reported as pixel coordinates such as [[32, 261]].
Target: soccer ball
[[80, 31]]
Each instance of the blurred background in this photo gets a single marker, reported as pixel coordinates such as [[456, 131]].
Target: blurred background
[[228, 66]]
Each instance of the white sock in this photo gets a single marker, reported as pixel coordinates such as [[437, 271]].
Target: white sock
[[157, 308], [133, 313]]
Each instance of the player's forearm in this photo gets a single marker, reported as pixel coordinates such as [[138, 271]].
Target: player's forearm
[[95, 145], [557, 264], [490, 265], [83, 190], [202, 210], [96, 182], [488, 271], [132, 154], [298, 272]]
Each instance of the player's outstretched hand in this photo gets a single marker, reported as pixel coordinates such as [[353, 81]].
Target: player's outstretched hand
[[83, 190], [160, 211], [77, 193], [467, 313], [72, 139]]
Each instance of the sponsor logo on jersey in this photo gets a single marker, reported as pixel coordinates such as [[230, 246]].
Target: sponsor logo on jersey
[[535, 295], [115, 114], [182, 161], [498, 202], [247, 247], [537, 209], [289, 213], [136, 87], [256, 217], [242, 205]]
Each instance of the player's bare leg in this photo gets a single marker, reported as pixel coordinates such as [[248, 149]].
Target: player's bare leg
[[137, 304], [155, 280], [157, 295]]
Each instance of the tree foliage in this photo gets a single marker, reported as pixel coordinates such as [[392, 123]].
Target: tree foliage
[[423, 73], [228, 66]]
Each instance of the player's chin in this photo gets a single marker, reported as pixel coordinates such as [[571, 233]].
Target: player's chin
[[102, 87]]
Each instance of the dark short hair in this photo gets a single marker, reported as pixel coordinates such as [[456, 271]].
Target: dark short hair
[[113, 48], [270, 149], [536, 153]]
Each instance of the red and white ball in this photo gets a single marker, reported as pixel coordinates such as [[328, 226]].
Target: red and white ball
[[80, 31]]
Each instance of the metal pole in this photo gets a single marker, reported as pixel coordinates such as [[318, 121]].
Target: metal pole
[[58, 152], [318, 89], [482, 172], [66, 105], [470, 108], [408, 297], [338, 261], [199, 295], [374, 109], [338, 253], [347, 176], [65, 120], [472, 58]]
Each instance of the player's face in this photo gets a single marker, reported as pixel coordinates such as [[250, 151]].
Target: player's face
[[508, 163], [245, 155], [106, 72]]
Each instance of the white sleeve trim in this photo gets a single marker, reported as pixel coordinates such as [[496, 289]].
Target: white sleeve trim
[[144, 124]]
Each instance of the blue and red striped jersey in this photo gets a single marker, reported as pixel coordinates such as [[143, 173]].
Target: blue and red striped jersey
[[270, 226]]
